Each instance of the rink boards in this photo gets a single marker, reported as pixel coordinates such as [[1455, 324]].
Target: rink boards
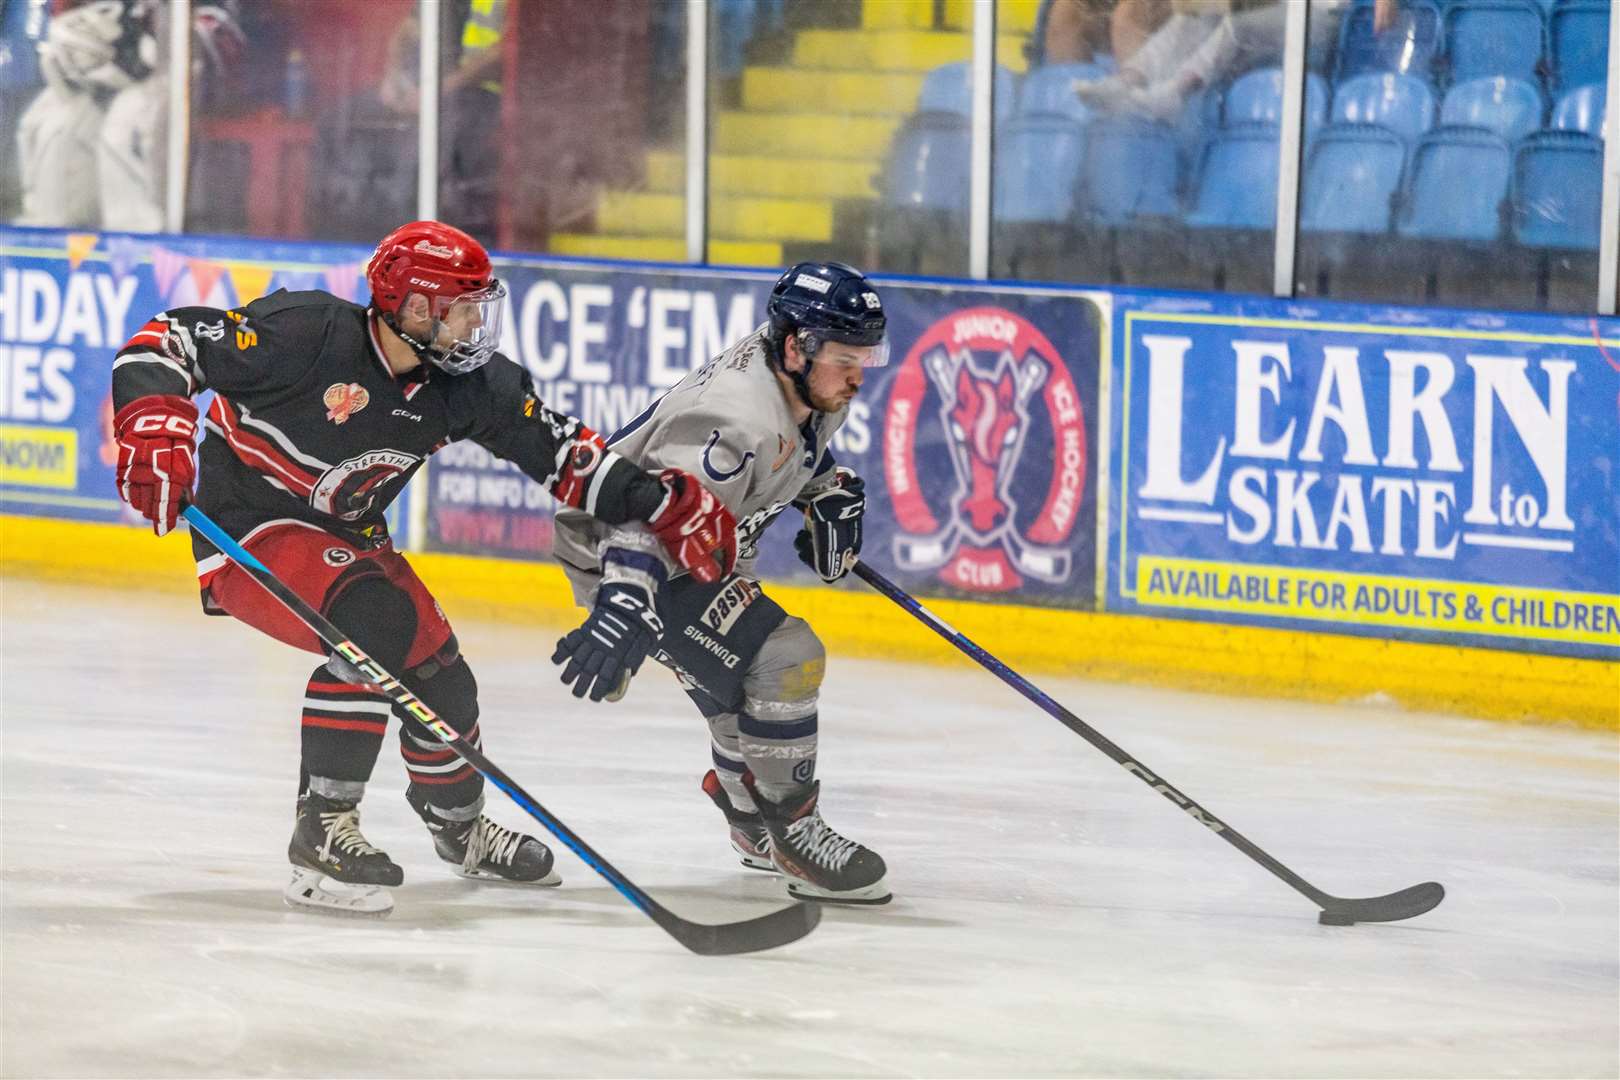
[[1319, 500]]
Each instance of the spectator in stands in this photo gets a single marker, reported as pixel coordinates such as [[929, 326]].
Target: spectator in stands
[[89, 54], [22, 28], [132, 152], [1203, 41], [469, 107], [1077, 31]]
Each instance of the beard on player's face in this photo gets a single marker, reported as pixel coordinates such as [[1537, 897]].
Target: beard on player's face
[[833, 385]]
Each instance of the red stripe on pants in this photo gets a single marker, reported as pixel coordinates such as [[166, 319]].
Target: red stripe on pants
[[375, 727]]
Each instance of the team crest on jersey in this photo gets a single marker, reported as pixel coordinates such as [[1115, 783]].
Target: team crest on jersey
[[717, 474], [983, 378], [343, 400], [349, 491]]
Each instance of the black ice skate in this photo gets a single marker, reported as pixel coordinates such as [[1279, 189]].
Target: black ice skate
[[749, 837], [818, 863], [334, 868], [486, 851]]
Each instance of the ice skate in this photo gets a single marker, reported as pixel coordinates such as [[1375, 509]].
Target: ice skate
[[818, 863], [749, 837], [485, 851], [335, 870]]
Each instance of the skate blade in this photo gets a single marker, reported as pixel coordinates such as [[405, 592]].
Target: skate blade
[[311, 890], [871, 895], [550, 881], [754, 860]]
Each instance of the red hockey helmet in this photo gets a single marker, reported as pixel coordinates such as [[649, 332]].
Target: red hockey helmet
[[453, 271]]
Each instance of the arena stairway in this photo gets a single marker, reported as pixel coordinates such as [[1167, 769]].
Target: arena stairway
[[793, 172]]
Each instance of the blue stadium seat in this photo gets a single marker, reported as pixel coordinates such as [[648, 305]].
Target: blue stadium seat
[[949, 89], [1256, 98], [1557, 191], [1579, 47], [1237, 187], [1581, 109], [1495, 37], [1050, 90], [1407, 48], [927, 167], [1038, 169], [1510, 107], [1402, 103], [1128, 169], [1455, 186], [1353, 173]]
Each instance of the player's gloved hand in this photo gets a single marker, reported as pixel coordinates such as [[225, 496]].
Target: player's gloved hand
[[609, 646], [696, 528], [157, 456], [831, 537]]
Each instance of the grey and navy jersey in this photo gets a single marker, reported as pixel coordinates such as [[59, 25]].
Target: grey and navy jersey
[[729, 425]]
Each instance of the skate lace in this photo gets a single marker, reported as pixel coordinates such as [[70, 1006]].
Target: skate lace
[[491, 841], [816, 839], [343, 832]]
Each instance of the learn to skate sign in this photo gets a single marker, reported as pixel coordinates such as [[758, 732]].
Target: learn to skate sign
[[996, 393], [1442, 476]]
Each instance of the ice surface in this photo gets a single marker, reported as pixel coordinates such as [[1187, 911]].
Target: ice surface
[[1052, 916]]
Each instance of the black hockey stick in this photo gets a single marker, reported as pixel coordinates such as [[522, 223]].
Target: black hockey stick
[[1336, 910], [751, 935]]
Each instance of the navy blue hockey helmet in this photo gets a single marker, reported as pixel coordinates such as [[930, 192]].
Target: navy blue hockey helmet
[[832, 301]]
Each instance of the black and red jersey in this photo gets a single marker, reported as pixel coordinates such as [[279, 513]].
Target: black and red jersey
[[309, 423]]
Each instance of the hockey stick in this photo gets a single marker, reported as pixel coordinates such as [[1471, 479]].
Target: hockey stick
[[1336, 910], [751, 935]]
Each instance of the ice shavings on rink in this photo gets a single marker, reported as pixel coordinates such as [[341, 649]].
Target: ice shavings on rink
[[1051, 915]]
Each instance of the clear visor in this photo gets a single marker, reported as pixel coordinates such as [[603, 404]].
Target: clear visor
[[826, 351], [467, 328]]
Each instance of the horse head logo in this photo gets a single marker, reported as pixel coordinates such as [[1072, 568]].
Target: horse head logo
[[986, 415]]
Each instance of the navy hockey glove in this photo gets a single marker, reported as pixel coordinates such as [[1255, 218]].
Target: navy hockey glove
[[831, 537], [609, 646]]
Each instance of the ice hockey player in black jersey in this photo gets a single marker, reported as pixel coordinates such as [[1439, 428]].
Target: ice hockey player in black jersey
[[322, 411]]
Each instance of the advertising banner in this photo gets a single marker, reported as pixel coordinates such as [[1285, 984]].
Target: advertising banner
[[977, 443], [69, 301], [1431, 475]]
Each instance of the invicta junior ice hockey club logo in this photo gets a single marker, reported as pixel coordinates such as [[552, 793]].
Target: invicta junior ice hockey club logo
[[993, 377]]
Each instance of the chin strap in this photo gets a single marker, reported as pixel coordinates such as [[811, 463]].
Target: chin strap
[[800, 379], [424, 352], [801, 383]]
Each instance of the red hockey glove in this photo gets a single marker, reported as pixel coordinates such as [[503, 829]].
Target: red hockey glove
[[696, 528], [157, 456]]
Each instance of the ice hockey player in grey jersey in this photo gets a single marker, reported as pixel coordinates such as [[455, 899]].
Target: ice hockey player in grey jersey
[[755, 424]]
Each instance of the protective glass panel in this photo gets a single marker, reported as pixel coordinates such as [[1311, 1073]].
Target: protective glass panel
[[573, 141], [1142, 146], [303, 118], [840, 131], [83, 120], [1461, 163]]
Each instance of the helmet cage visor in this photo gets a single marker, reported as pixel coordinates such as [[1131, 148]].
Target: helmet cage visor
[[466, 328], [857, 350]]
